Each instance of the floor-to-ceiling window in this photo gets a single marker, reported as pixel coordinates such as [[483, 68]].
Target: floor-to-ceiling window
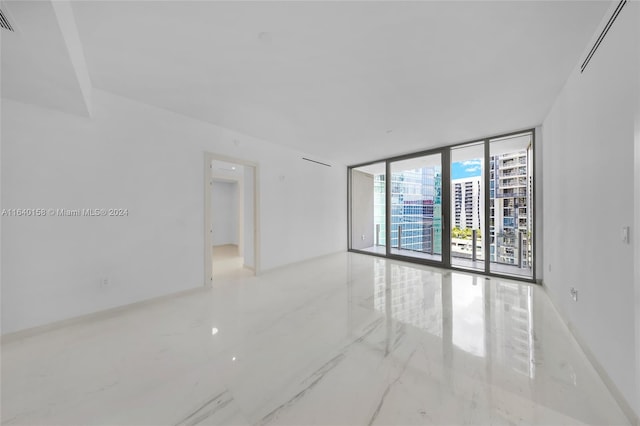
[[466, 206], [511, 205]]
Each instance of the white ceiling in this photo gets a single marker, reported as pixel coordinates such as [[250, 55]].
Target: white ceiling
[[347, 81], [42, 60]]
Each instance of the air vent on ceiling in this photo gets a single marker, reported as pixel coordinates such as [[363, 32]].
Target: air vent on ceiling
[[317, 162], [4, 21], [602, 34]]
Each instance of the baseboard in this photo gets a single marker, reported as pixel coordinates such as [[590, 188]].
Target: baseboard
[[298, 262], [102, 314], [611, 386]]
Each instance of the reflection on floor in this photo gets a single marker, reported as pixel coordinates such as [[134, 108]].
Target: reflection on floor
[[375, 249], [346, 339], [402, 252], [227, 262], [457, 262], [496, 268], [414, 253]]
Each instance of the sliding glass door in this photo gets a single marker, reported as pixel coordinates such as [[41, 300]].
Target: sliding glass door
[[416, 207]]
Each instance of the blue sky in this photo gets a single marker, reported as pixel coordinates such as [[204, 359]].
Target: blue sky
[[464, 169]]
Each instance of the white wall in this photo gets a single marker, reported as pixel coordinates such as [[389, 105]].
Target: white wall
[[362, 210], [225, 212], [588, 172], [248, 195], [150, 161]]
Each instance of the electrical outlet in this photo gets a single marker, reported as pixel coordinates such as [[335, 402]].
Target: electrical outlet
[[574, 294], [104, 282], [363, 237]]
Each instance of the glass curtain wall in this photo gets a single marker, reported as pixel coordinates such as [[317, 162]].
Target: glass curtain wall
[[416, 207], [368, 208], [511, 205], [467, 206]]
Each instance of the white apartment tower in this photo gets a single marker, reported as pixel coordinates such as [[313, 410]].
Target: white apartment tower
[[509, 217], [468, 203]]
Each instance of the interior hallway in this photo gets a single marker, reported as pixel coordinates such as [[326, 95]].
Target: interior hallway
[[228, 263], [342, 339]]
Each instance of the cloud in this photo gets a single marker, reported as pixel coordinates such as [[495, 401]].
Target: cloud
[[472, 163], [472, 169]]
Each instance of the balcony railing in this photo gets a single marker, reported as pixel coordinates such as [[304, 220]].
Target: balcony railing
[[469, 248], [509, 247], [504, 194]]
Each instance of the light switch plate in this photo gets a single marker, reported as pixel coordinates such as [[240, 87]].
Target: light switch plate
[[625, 234]]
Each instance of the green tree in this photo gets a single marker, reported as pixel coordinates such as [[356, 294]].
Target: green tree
[[465, 233]]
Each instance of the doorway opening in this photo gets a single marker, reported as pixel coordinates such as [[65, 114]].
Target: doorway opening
[[231, 248]]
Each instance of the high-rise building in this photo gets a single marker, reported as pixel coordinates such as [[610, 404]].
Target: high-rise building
[[416, 197], [509, 216], [468, 202]]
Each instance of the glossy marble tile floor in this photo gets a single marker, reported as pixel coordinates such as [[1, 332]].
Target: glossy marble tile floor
[[346, 339], [227, 262]]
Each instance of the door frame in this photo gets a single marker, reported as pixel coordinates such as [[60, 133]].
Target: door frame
[[208, 240]]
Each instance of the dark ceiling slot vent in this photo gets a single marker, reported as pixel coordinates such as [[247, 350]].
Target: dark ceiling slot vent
[[602, 34], [4, 21], [317, 162]]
